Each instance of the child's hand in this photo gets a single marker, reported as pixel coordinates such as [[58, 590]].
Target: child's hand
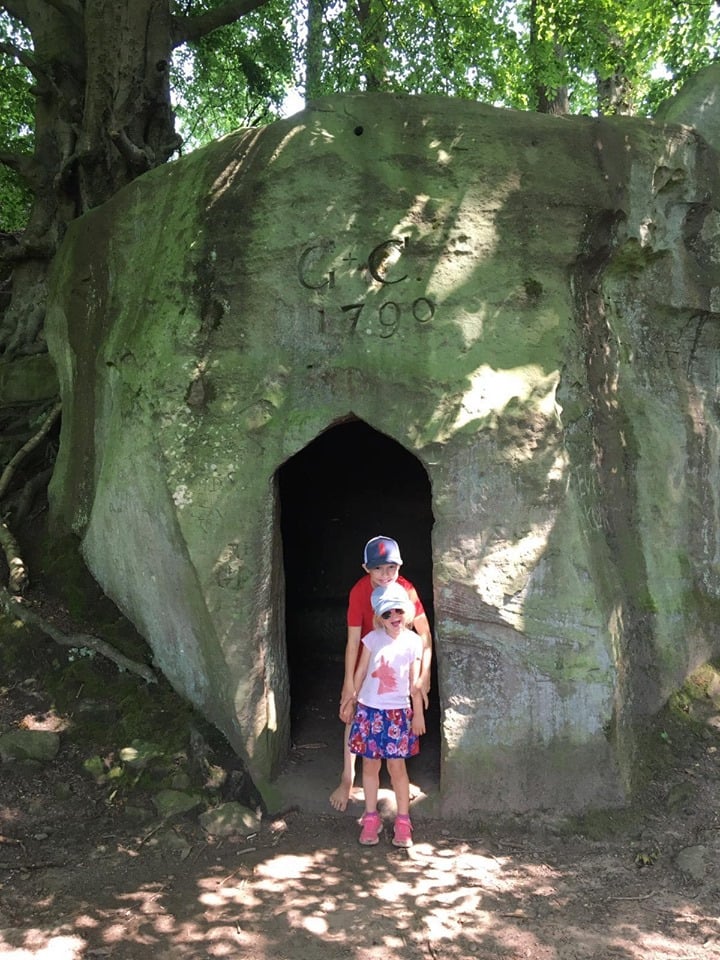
[[422, 689], [417, 724], [347, 695], [347, 710]]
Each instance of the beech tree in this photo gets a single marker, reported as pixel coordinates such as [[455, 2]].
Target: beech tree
[[99, 74], [85, 90]]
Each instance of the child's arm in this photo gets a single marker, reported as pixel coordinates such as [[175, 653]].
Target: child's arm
[[421, 626], [347, 710], [347, 694], [418, 720], [416, 695]]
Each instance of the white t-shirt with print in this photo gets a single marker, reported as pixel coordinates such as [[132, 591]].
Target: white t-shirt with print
[[387, 682]]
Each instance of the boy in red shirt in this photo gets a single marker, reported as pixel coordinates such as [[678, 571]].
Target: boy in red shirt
[[381, 562]]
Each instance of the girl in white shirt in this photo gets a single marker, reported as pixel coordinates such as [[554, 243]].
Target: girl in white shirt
[[386, 726]]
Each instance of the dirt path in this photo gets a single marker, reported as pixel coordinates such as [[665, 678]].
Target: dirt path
[[84, 877], [78, 881]]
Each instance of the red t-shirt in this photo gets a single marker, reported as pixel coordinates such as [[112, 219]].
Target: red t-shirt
[[360, 611]]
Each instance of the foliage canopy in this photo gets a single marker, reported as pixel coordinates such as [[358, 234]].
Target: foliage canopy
[[16, 126], [608, 56], [502, 51], [241, 58]]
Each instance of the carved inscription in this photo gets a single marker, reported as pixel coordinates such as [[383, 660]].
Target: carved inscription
[[380, 264]]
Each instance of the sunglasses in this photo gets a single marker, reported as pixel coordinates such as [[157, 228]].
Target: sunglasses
[[386, 615]]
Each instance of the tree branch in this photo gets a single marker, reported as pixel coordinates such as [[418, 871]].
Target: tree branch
[[29, 250], [25, 58], [70, 9], [22, 163], [20, 341], [190, 29], [45, 81], [16, 607], [17, 9], [18, 575], [29, 492], [28, 447], [135, 156]]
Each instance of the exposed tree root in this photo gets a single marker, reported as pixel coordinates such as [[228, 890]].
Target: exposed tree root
[[28, 447], [18, 576], [20, 609], [19, 579], [29, 492]]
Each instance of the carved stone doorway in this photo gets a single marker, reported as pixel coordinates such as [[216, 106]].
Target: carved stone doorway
[[350, 484]]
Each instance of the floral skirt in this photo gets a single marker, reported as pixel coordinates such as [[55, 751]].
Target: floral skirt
[[383, 734]]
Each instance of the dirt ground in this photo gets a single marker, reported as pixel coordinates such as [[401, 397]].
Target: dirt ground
[[84, 877]]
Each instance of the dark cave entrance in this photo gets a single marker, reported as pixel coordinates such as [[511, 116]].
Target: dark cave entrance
[[349, 484]]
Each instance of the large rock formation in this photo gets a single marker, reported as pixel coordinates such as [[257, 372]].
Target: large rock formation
[[527, 304]]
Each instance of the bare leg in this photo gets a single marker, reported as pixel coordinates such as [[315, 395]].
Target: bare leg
[[400, 784], [341, 794], [371, 783]]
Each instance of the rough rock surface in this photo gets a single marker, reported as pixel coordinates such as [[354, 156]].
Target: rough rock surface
[[527, 304]]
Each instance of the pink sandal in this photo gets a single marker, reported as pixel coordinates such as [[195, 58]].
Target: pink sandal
[[371, 829]]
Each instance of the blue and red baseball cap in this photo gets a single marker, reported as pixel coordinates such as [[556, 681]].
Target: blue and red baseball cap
[[381, 550]]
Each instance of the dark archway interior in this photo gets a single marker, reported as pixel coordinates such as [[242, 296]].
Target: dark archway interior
[[350, 484]]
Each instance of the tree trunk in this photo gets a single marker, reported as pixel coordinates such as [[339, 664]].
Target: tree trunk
[[314, 49], [59, 79], [102, 117], [128, 126], [612, 95], [547, 58], [555, 101], [373, 30]]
